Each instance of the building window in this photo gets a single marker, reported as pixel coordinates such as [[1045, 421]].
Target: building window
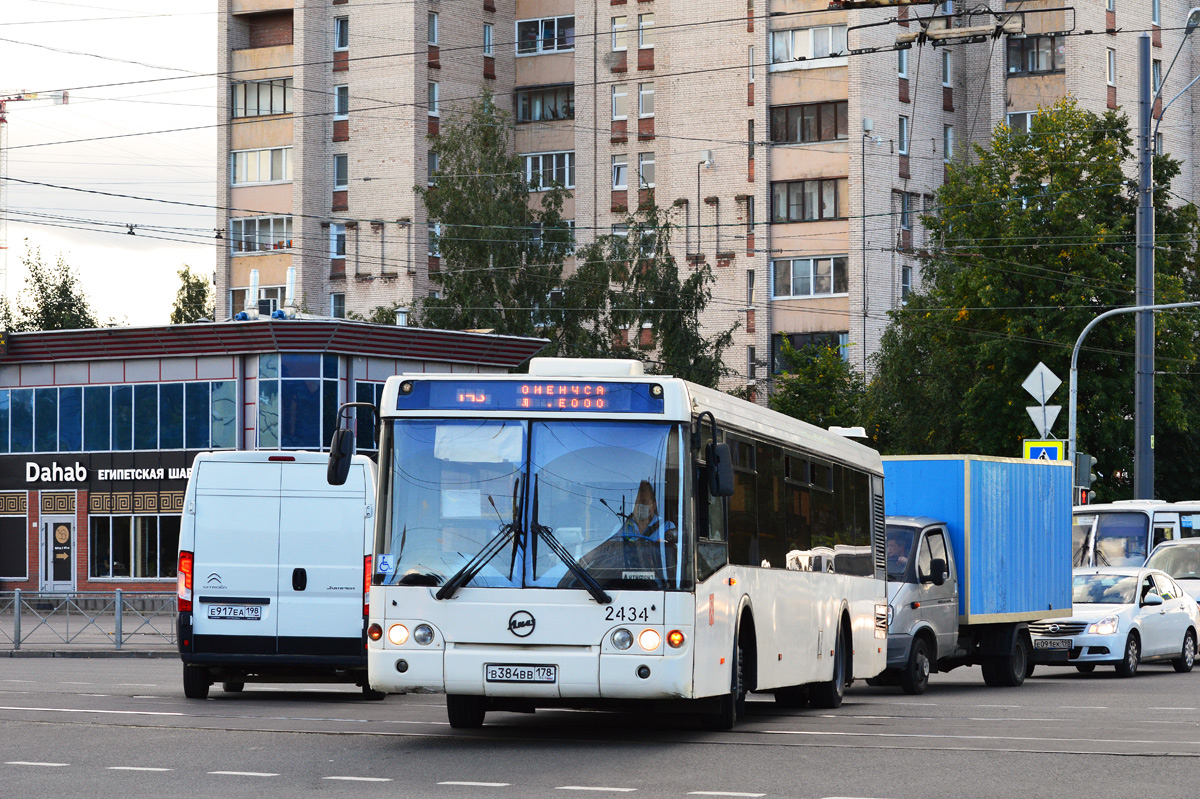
[[253, 234], [297, 400], [1110, 5], [620, 172], [807, 48], [337, 306], [545, 169], [433, 27], [1021, 121], [341, 33], [645, 31], [261, 166], [646, 170], [620, 94], [261, 98], [14, 550], [751, 371], [1112, 67], [341, 171], [1032, 55], [341, 102], [902, 63], [433, 235], [620, 40], [1156, 12], [799, 341], [905, 282], [1156, 72], [750, 61], [947, 73], [543, 105], [134, 547], [1158, 144], [433, 98], [646, 100], [902, 137], [809, 277], [947, 142], [365, 431], [431, 167], [337, 240], [750, 288], [547, 35], [809, 123], [908, 206], [809, 200], [487, 39], [268, 301]]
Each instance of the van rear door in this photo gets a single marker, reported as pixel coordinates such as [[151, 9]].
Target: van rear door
[[236, 557], [321, 550]]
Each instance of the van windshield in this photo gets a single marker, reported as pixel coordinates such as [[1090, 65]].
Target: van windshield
[[509, 503]]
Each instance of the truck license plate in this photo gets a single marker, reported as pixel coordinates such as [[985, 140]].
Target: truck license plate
[[248, 612], [506, 672], [1051, 643]]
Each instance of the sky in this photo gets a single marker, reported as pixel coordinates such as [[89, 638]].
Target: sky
[[140, 121]]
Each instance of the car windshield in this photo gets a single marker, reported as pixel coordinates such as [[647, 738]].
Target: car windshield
[[1181, 561], [1104, 589], [1120, 538], [533, 504], [899, 550]]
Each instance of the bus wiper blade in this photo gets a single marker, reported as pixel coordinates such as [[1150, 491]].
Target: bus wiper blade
[[558, 549], [467, 573]]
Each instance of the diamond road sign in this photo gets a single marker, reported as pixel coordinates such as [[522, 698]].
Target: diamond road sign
[[1041, 383]]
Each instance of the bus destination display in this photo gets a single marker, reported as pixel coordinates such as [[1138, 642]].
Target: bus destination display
[[531, 395]]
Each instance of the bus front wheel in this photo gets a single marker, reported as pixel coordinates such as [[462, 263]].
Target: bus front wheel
[[732, 704], [465, 712]]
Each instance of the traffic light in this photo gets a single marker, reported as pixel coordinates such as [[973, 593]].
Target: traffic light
[[1084, 476]]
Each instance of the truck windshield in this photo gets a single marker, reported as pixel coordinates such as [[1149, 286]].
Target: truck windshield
[[899, 550], [518, 504], [1120, 537]]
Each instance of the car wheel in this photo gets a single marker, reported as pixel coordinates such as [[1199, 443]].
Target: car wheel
[[1187, 656], [1085, 668], [1133, 655], [915, 677]]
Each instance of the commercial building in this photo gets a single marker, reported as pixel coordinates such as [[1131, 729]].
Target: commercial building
[[98, 428], [795, 144]]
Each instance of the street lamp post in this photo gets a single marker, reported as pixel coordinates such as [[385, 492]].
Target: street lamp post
[[707, 163]]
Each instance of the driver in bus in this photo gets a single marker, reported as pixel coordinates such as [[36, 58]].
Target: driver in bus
[[644, 522]]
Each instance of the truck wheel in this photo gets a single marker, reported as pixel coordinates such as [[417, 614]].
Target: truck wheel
[[195, 682], [1029, 668], [465, 712], [915, 677], [1133, 655], [1187, 656], [733, 704], [232, 687], [1007, 671], [828, 695]]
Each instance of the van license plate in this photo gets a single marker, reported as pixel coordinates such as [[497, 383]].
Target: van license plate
[[504, 672], [1051, 643], [248, 612]]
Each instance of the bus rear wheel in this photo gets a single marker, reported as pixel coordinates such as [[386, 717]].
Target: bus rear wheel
[[465, 712]]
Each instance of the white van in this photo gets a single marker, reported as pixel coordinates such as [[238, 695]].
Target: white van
[[273, 564]]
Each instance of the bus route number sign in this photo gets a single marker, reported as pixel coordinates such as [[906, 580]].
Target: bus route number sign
[[560, 396]]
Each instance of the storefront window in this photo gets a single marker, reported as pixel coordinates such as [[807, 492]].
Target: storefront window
[[70, 419], [45, 423], [224, 415], [122, 417], [145, 417], [297, 400], [170, 416], [13, 559], [136, 547], [96, 425]]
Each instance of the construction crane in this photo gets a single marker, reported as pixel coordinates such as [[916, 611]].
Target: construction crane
[[59, 98]]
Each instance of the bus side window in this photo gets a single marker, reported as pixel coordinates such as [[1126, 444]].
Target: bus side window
[[712, 549]]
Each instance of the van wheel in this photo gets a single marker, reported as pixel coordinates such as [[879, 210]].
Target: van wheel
[[465, 712], [232, 687], [195, 682], [828, 695], [915, 677]]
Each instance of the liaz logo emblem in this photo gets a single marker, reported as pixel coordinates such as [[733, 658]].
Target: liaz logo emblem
[[521, 624]]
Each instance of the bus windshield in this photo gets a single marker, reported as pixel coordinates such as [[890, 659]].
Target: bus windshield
[[509, 503], [1120, 537]]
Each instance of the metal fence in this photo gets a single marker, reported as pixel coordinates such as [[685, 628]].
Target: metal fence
[[87, 619]]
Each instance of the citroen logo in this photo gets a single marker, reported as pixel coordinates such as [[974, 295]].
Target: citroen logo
[[521, 624]]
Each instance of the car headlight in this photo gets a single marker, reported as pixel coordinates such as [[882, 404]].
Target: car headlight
[[1106, 626], [622, 639]]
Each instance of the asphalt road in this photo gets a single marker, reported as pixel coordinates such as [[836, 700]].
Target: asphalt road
[[122, 728]]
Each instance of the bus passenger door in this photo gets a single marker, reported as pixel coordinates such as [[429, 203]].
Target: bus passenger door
[[1165, 528], [715, 597]]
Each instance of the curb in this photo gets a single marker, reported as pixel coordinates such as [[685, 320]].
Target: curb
[[85, 653]]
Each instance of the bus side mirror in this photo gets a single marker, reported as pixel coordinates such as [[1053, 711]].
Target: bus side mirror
[[720, 470], [341, 450]]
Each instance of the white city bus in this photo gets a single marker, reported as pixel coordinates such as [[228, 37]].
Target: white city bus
[[575, 537], [1124, 533]]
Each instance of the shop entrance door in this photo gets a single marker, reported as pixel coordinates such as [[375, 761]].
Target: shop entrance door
[[58, 553]]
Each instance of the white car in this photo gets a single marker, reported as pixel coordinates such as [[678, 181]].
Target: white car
[[1181, 560], [1122, 616]]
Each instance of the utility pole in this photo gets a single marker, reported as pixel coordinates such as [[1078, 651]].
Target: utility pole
[[60, 98], [1143, 389]]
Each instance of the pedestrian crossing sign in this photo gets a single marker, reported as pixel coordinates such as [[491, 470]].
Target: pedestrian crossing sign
[[1039, 450]]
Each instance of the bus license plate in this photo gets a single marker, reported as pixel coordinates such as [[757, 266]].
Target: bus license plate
[[248, 612], [504, 672], [1051, 643]]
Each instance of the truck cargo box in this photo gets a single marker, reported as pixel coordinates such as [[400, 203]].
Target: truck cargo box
[[1009, 521]]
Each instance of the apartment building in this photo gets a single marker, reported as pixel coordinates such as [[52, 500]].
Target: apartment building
[[795, 145]]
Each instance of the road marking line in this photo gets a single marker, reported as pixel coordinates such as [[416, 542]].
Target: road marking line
[[85, 710], [360, 779], [34, 763], [1089, 707], [722, 793], [246, 773], [476, 784], [1185, 709], [73, 682], [593, 788], [816, 733], [138, 684], [137, 768]]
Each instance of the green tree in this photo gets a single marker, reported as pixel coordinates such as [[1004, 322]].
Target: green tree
[[818, 387], [500, 257], [1031, 241], [194, 300], [52, 298]]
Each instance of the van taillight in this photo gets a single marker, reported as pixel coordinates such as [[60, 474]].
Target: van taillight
[[185, 581], [366, 586]]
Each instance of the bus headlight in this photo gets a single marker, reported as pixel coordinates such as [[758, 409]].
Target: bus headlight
[[398, 634], [649, 640], [423, 634], [622, 639], [675, 639]]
